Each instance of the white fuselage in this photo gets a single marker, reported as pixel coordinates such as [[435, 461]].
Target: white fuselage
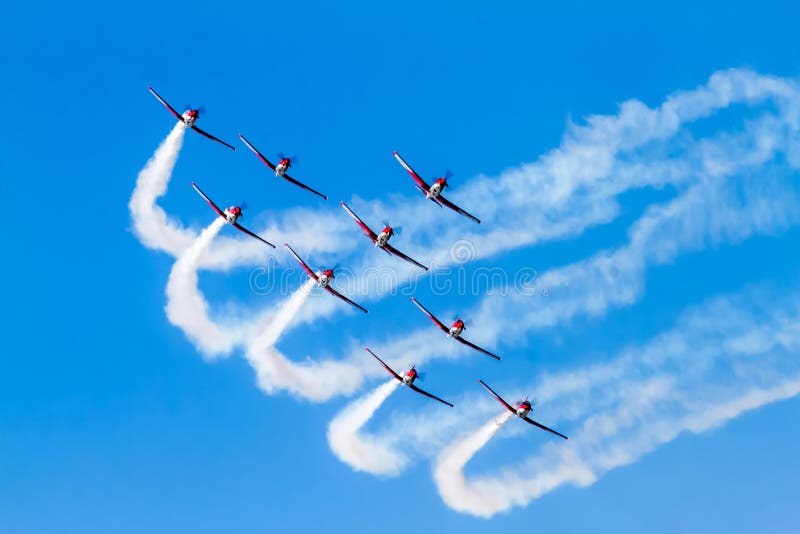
[[523, 412], [408, 380], [382, 239], [281, 168], [434, 191], [323, 280], [455, 331], [189, 120], [230, 216]]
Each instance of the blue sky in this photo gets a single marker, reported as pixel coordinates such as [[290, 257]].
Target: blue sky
[[116, 417]]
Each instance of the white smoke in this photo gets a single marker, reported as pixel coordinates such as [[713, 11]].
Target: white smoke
[[363, 453], [186, 307], [154, 228], [448, 471]]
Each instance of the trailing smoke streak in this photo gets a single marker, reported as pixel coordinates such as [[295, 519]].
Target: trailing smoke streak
[[448, 472], [150, 223], [186, 308], [315, 381], [359, 452]]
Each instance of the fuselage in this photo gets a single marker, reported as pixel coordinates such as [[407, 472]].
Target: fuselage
[[325, 278], [409, 377], [523, 408], [437, 188], [190, 116], [384, 236], [232, 214], [282, 166], [456, 329]]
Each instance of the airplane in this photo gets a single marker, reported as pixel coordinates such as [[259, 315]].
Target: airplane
[[189, 117], [433, 192], [521, 410], [323, 279], [381, 240], [408, 379], [231, 216], [281, 168], [454, 331]]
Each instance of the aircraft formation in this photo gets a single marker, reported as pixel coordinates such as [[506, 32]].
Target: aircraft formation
[[325, 276]]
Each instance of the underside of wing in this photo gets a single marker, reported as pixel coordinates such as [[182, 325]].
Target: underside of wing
[[170, 108], [430, 316], [248, 232], [476, 347], [418, 390], [214, 206], [337, 294], [453, 207], [304, 186], [305, 267], [420, 182], [261, 156], [534, 423], [498, 397], [220, 141], [391, 372], [372, 235], [399, 254]]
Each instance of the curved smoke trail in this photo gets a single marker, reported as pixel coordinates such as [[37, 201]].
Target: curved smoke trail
[[448, 471], [360, 452], [151, 224]]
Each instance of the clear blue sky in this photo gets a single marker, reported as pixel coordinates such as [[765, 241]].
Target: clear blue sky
[[111, 421]]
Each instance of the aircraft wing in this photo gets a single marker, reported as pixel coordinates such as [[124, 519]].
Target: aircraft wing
[[170, 108], [263, 159], [399, 254], [421, 184], [391, 372], [498, 397], [302, 263], [337, 294], [453, 207], [476, 347], [534, 423], [203, 132], [214, 206], [418, 390], [372, 235], [248, 232], [304, 186], [430, 316]]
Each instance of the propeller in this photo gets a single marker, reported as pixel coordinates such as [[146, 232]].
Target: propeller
[[448, 174], [420, 376], [467, 322], [396, 229], [292, 159]]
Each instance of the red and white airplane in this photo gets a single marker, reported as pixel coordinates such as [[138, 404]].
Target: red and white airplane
[[323, 279], [231, 215], [408, 379], [281, 168], [454, 331], [381, 240], [189, 117], [521, 410], [434, 192]]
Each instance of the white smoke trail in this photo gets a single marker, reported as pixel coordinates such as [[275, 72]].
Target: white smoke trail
[[731, 355], [186, 308], [360, 452], [150, 222], [313, 380], [448, 471]]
